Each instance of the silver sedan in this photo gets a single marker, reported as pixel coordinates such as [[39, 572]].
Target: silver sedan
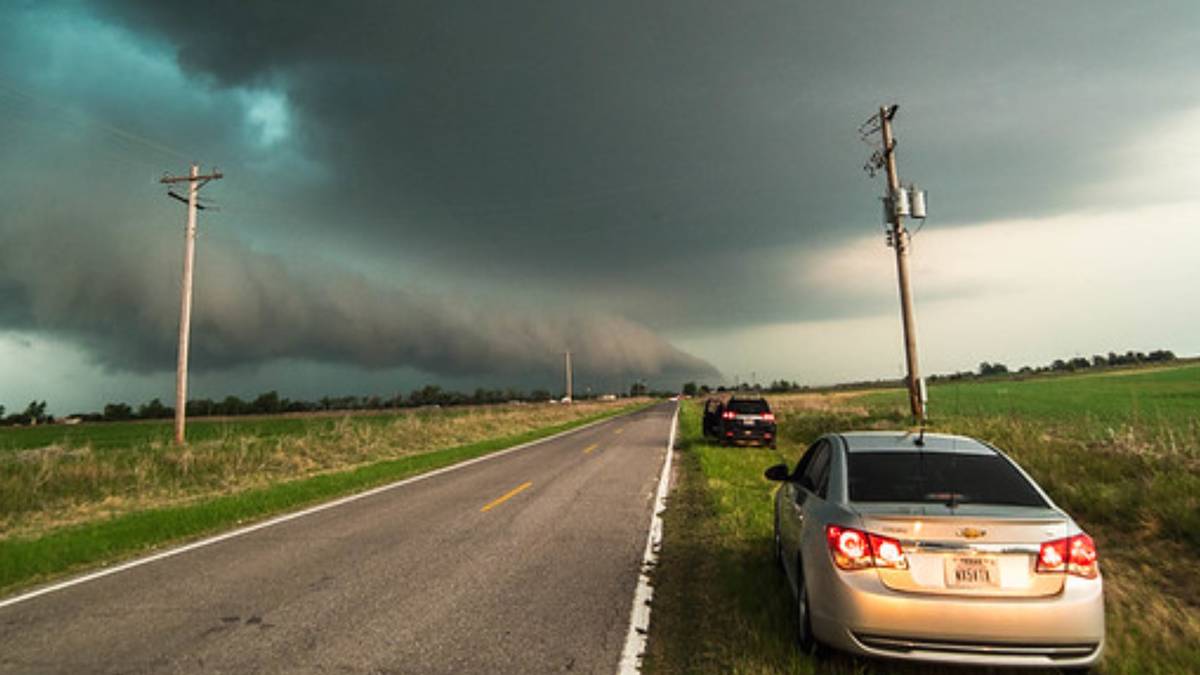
[[934, 548]]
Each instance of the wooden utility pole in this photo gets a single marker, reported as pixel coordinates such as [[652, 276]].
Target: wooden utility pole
[[567, 365], [195, 181], [900, 241]]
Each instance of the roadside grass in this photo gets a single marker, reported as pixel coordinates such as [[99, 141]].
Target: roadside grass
[[235, 484], [721, 605]]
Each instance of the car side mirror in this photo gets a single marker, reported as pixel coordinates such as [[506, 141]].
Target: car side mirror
[[779, 472]]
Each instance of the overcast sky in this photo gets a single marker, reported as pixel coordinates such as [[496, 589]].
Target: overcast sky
[[457, 192]]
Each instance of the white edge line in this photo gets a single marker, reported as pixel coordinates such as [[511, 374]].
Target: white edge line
[[639, 615], [288, 516]]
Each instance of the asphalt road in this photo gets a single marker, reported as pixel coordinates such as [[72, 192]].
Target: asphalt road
[[444, 575]]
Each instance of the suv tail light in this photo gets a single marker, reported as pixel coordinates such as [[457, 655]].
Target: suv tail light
[[769, 416], [855, 550], [728, 414], [1073, 555]]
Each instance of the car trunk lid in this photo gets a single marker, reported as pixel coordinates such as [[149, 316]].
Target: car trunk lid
[[968, 549]]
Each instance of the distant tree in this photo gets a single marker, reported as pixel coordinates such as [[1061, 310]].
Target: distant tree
[[232, 405], [430, 394], [36, 412], [637, 389], [297, 406], [117, 412], [1058, 364], [689, 389], [267, 403], [778, 386], [1099, 361], [986, 368], [200, 407], [1079, 363], [154, 409], [539, 395], [1, 411]]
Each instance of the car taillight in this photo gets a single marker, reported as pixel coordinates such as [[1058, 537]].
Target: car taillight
[[1073, 555], [888, 552], [855, 550], [770, 417], [728, 414]]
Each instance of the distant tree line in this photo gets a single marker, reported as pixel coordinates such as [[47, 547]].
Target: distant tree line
[[1075, 364], [986, 369], [776, 387], [34, 413], [270, 403]]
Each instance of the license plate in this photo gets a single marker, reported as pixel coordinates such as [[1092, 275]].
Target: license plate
[[748, 423], [972, 572]]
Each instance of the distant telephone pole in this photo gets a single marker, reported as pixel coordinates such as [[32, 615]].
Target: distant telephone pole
[[195, 181], [898, 203], [567, 367]]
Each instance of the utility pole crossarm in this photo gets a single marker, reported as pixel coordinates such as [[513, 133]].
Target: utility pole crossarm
[[216, 175]]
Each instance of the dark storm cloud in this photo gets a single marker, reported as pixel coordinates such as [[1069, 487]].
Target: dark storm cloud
[[120, 300], [538, 143]]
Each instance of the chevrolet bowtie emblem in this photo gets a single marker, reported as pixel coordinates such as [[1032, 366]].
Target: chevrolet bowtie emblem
[[971, 532]]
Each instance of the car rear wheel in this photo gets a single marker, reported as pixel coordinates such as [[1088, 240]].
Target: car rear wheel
[[805, 640], [778, 545]]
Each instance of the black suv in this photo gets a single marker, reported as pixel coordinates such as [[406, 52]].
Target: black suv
[[747, 419]]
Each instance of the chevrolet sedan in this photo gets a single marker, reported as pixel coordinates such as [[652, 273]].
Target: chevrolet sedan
[[934, 548]]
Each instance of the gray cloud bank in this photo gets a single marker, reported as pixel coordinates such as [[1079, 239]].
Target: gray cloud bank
[[115, 291], [505, 140]]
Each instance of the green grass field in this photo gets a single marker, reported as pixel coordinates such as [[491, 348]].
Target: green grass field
[[720, 605]]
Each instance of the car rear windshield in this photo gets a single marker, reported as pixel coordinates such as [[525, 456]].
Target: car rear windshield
[[938, 477], [749, 407]]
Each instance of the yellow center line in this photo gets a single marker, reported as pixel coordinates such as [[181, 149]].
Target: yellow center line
[[505, 497], [590, 448]]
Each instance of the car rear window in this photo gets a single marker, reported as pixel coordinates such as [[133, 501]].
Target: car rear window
[[749, 407], [937, 477]]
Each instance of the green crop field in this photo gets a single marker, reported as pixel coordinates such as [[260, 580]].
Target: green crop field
[[1120, 451], [102, 435], [1157, 396]]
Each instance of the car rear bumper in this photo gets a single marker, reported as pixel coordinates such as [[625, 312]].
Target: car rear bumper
[[748, 434], [857, 613]]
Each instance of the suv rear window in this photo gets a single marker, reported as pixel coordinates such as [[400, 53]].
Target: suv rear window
[[748, 407], [937, 477]]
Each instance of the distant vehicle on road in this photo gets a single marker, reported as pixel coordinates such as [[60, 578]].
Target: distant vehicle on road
[[934, 548], [747, 420]]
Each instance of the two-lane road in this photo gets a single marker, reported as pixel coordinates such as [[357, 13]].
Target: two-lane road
[[526, 562]]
